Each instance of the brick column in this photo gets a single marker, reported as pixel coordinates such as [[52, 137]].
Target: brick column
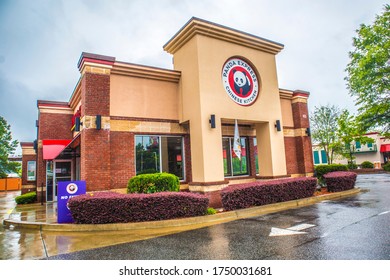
[[28, 154], [252, 160], [302, 139], [95, 100]]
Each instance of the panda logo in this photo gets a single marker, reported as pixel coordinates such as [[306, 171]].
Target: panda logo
[[71, 188], [240, 81], [242, 85]]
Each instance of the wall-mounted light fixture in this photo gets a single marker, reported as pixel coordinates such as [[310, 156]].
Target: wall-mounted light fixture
[[98, 122], [77, 124], [212, 121], [308, 132], [277, 125]]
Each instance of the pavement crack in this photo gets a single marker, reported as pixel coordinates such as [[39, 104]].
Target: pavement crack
[[44, 244]]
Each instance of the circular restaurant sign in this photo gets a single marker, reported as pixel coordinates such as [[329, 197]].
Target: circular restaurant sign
[[240, 81]]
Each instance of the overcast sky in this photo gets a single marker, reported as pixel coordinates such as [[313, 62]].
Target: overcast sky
[[42, 40]]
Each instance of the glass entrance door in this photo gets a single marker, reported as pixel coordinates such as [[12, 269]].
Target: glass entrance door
[[56, 171]]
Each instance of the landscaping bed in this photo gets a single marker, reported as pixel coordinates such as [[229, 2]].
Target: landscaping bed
[[267, 192], [111, 207]]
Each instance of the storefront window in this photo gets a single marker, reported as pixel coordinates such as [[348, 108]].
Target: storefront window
[[232, 165], [159, 154], [31, 169]]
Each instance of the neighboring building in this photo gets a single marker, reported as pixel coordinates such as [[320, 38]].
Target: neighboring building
[[29, 166], [124, 119], [319, 155], [377, 151], [14, 158]]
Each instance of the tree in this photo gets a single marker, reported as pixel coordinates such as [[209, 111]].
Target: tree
[[349, 132], [323, 123], [7, 147], [369, 73]]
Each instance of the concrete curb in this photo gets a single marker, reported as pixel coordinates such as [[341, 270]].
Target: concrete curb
[[192, 222]]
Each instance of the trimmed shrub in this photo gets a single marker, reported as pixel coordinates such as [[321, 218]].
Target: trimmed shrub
[[258, 193], [340, 181], [110, 207], [152, 183], [352, 166], [386, 167], [367, 164], [26, 198], [322, 169]]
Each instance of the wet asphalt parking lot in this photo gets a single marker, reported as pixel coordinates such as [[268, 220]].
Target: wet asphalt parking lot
[[353, 228]]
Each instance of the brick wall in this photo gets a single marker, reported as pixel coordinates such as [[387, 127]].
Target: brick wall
[[308, 154], [51, 126], [41, 174], [300, 115], [252, 160], [95, 159], [122, 158], [95, 162], [303, 147], [25, 159], [54, 126], [95, 91], [291, 155], [187, 155]]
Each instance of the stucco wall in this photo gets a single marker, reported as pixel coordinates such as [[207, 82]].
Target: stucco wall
[[143, 98]]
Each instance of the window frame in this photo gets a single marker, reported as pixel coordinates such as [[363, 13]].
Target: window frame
[[183, 155], [248, 155], [29, 178]]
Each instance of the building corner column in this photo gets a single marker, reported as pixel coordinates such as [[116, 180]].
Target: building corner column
[[95, 118], [302, 139]]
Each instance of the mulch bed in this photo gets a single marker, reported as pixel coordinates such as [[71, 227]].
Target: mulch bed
[[322, 191]]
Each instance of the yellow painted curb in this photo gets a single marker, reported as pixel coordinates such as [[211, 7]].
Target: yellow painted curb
[[192, 222]]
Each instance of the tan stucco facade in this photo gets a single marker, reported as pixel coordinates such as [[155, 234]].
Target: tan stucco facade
[[200, 58], [144, 92]]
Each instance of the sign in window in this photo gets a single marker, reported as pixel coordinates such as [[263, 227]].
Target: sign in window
[[232, 165]]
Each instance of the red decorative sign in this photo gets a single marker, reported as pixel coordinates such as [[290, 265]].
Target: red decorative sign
[[240, 81]]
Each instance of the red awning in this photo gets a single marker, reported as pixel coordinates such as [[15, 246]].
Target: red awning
[[385, 148], [52, 148]]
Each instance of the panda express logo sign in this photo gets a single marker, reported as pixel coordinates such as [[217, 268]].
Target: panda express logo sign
[[240, 81]]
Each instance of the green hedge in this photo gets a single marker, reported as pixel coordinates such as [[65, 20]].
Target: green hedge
[[367, 164], [322, 169], [386, 167], [152, 183], [26, 198], [352, 166]]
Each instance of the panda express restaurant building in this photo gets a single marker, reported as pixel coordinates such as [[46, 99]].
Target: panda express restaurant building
[[125, 119]]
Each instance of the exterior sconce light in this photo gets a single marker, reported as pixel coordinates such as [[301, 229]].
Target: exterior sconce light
[[308, 132], [277, 125], [98, 122], [212, 121], [77, 124]]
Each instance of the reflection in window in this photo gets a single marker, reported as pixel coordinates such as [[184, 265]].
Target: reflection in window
[[232, 165], [159, 154]]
